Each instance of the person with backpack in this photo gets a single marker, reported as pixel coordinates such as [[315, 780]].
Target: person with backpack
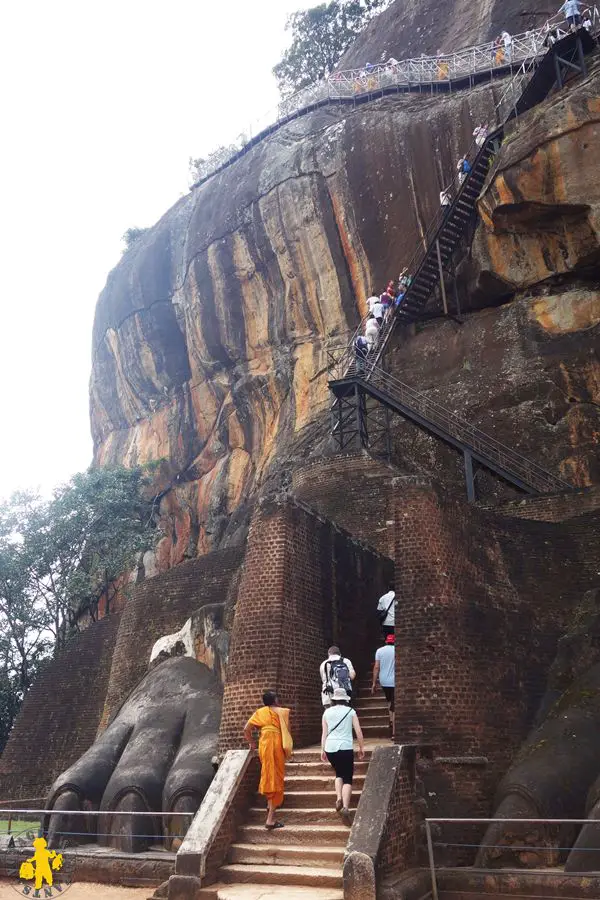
[[336, 672], [337, 747], [386, 612]]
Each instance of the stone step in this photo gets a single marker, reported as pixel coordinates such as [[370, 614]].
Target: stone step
[[334, 835], [293, 769], [286, 854], [247, 891], [311, 799], [310, 815], [312, 756], [319, 782], [287, 875], [374, 718], [376, 731]]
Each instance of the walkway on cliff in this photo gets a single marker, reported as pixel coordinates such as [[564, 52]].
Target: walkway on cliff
[[353, 379], [460, 70]]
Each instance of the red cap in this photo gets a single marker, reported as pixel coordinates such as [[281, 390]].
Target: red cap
[[390, 639]]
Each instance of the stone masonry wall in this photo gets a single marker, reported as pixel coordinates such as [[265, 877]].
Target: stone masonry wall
[[355, 492], [160, 606], [60, 715], [556, 508], [305, 584], [483, 602]]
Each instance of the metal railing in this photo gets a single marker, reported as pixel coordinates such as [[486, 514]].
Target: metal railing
[[454, 426], [406, 74], [447, 821], [41, 814]]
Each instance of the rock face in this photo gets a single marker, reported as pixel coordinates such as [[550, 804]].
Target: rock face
[[408, 28], [541, 210], [210, 337]]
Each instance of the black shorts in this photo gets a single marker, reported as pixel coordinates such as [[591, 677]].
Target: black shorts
[[388, 629], [343, 763], [389, 696], [574, 20]]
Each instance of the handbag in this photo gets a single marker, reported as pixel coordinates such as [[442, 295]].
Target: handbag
[[382, 613], [286, 738]]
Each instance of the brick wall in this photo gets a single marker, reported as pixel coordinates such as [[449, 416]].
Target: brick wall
[[161, 605], [398, 850], [60, 715], [355, 492], [483, 600], [555, 508], [304, 584]]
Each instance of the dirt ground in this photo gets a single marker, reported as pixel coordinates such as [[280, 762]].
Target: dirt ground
[[86, 891]]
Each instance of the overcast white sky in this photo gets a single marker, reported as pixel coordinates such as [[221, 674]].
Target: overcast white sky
[[101, 105]]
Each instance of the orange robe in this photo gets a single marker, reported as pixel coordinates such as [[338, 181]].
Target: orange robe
[[270, 751]]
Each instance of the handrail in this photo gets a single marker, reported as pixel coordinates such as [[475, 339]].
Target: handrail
[[455, 426], [429, 821], [411, 73]]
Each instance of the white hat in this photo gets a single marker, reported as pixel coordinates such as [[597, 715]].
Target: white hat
[[340, 694]]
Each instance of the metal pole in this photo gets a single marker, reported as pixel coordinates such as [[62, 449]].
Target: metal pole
[[434, 890], [439, 259]]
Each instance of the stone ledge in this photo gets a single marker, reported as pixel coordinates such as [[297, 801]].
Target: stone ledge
[[205, 827]]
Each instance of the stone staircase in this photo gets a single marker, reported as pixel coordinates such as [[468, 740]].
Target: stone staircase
[[305, 858]]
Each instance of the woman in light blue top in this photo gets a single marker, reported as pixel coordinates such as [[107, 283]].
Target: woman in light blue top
[[337, 747]]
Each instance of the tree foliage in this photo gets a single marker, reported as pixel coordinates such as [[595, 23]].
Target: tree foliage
[[320, 36], [132, 236], [58, 559]]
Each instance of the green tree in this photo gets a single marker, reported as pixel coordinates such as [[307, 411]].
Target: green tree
[[132, 236], [320, 36], [58, 559]]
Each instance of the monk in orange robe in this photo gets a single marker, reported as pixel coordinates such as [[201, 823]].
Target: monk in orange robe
[[274, 746]]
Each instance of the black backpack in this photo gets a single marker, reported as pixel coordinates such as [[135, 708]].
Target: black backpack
[[340, 674]]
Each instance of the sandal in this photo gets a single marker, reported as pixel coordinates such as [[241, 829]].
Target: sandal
[[275, 825], [338, 805]]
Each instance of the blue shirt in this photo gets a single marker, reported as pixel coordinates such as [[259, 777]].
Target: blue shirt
[[386, 657]]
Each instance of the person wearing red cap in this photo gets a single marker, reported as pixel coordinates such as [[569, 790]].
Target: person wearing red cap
[[384, 671]]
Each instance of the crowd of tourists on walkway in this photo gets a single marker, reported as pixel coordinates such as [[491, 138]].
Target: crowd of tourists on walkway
[[340, 723]]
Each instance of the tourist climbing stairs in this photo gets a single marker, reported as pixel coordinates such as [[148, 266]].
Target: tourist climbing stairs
[[305, 858], [445, 234]]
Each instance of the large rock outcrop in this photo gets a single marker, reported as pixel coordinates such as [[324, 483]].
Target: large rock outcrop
[[409, 28], [540, 211], [210, 337]]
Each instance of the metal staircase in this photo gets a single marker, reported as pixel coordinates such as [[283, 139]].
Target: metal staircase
[[351, 424]]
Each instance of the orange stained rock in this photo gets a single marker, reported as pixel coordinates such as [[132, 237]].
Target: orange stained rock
[[256, 297], [568, 312]]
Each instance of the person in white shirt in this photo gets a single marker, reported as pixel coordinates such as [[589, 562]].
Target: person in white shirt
[[384, 671], [376, 308], [336, 672], [337, 747], [386, 608], [371, 332], [507, 41]]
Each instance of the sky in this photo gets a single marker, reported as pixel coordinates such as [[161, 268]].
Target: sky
[[101, 106]]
